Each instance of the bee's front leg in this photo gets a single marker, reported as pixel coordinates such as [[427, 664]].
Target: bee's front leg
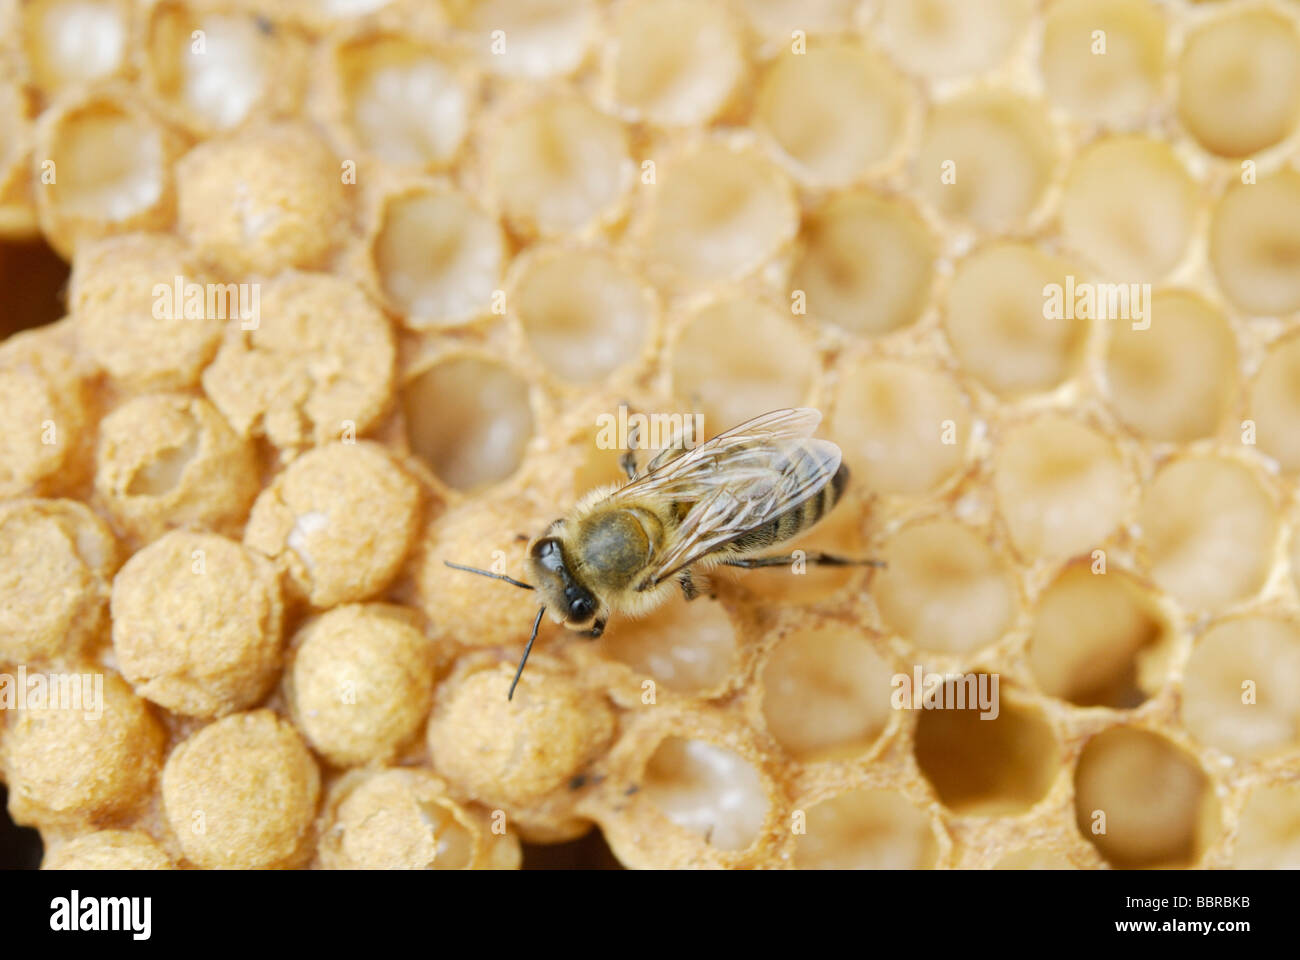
[[596, 630], [689, 590]]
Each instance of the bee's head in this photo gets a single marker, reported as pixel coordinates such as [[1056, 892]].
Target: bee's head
[[568, 600]]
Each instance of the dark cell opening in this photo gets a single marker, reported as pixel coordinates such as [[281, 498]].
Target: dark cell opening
[[20, 847], [589, 852], [33, 285]]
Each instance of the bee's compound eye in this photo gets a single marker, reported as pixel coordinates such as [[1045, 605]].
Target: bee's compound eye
[[580, 609]]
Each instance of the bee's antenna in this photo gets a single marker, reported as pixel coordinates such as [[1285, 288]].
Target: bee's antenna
[[487, 573], [527, 650]]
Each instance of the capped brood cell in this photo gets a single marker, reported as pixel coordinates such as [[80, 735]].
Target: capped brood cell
[[404, 819], [314, 362], [359, 682], [108, 850], [241, 793], [197, 622], [168, 460], [56, 561], [72, 766], [263, 200], [125, 301], [339, 520]]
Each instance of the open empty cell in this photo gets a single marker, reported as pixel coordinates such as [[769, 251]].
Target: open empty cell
[[687, 647], [400, 102], [866, 830], [673, 61], [1034, 858], [1130, 207], [835, 111], [1099, 639], [1239, 81], [1208, 528], [778, 19], [738, 358], [945, 588], [111, 169], [584, 315], [438, 258], [903, 427], [718, 213], [1176, 377], [1000, 766], [559, 165], [1142, 801], [527, 38], [944, 38], [1104, 60], [1255, 244], [998, 324], [1241, 689], [1061, 487], [986, 158], [865, 262], [469, 419], [1268, 830], [1275, 404], [826, 693], [707, 790], [215, 68], [67, 42]]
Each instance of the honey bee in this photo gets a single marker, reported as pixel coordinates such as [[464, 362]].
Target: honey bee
[[624, 548]]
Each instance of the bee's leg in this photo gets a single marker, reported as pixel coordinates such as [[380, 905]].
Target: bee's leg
[[689, 590], [596, 630], [816, 558], [627, 459]]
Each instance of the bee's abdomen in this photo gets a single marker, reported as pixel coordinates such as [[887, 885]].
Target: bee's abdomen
[[799, 518]]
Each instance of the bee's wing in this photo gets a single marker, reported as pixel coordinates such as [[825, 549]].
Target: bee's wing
[[738, 481]]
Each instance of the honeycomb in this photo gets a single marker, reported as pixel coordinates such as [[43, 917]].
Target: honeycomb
[[447, 238]]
